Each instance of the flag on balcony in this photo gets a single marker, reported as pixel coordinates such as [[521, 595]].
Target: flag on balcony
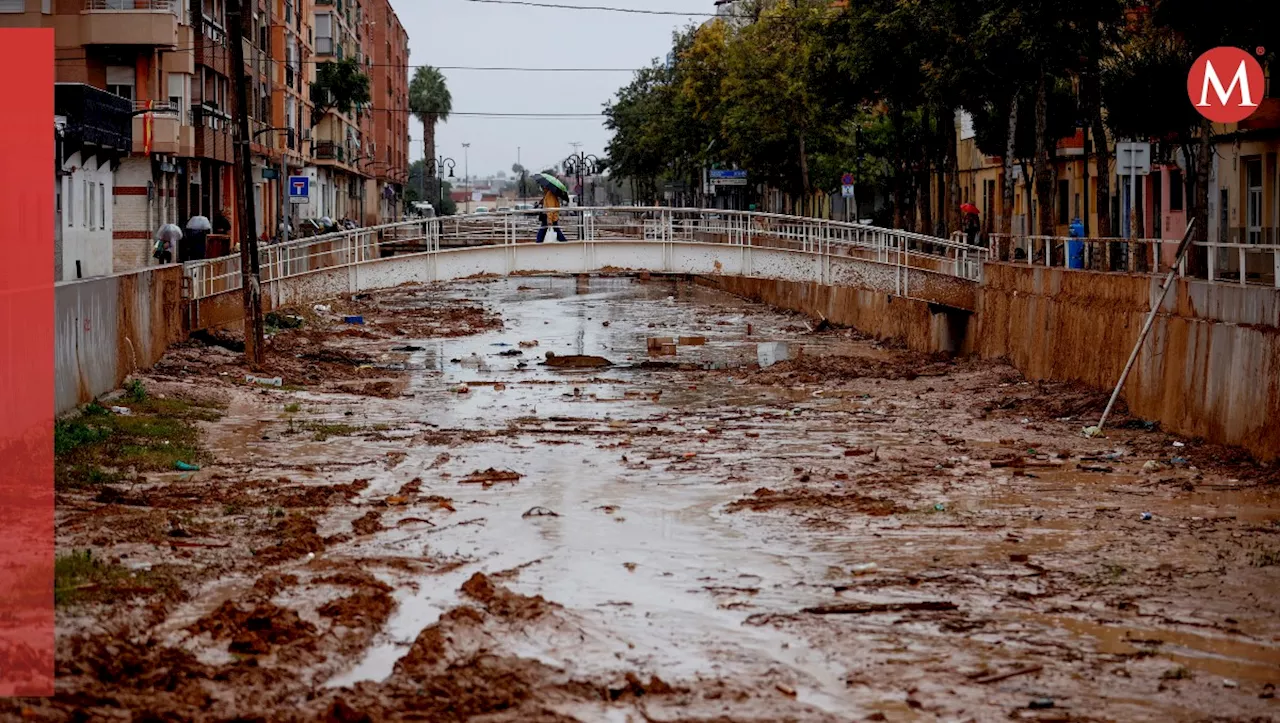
[[146, 129]]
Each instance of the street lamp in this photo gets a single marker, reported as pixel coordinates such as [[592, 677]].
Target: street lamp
[[437, 165], [581, 164], [466, 170]]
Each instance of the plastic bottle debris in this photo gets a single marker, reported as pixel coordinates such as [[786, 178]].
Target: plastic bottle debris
[[122, 411], [865, 568], [1094, 431], [1179, 444], [186, 467], [1229, 683], [1146, 516], [272, 382], [1041, 703], [355, 319], [939, 507]]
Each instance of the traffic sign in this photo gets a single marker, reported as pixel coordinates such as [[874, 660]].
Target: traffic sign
[[728, 177], [846, 179], [270, 174], [299, 189], [847, 190]]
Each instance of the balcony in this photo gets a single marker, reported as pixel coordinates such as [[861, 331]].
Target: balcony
[[130, 22], [329, 151], [166, 123], [95, 118]]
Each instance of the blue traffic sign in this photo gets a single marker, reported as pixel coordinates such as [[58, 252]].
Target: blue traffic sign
[[727, 173], [299, 187]]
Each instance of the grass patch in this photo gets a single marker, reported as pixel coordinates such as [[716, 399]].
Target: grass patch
[[95, 447], [1265, 557], [320, 431], [79, 573], [135, 391], [292, 408]]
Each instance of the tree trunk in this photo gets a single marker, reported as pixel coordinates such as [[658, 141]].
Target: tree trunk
[[1198, 256], [951, 177], [924, 201], [804, 174], [250, 268], [1102, 162], [1006, 213], [1043, 164]]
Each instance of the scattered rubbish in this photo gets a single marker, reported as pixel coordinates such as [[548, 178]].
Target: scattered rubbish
[[511, 352], [786, 690], [499, 343], [1026, 420], [865, 568], [355, 319], [1229, 683], [1094, 431], [186, 467], [1268, 691], [872, 608], [631, 566], [939, 507], [997, 677], [122, 411], [1179, 461], [1041, 703], [529, 344], [749, 329], [460, 389], [271, 382], [604, 323], [1095, 468], [490, 477], [1146, 516], [575, 361], [1179, 444], [540, 512], [692, 340], [770, 353], [321, 308], [407, 347], [1152, 465]]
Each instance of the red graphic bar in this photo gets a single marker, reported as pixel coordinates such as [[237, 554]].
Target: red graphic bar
[[26, 362]]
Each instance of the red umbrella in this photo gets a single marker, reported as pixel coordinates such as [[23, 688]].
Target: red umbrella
[[969, 208]]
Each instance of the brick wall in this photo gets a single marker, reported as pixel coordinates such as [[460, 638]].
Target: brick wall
[[133, 227]]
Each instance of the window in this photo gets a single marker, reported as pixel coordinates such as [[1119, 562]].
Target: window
[[71, 203], [13, 6], [324, 34], [1175, 189], [1253, 204], [102, 206], [120, 80], [177, 93], [1064, 198], [88, 206]]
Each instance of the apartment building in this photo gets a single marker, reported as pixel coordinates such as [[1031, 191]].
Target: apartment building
[[388, 59], [169, 60], [337, 156]]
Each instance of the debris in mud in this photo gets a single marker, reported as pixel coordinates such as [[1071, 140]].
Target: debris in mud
[[511, 352], [997, 677], [764, 499], [297, 537], [874, 608], [540, 512], [575, 361], [368, 524], [336, 356], [491, 477], [529, 344], [407, 347]]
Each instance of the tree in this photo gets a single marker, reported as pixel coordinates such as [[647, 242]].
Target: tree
[[339, 86], [430, 102]]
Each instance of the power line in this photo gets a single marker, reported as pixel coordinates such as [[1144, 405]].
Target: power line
[[67, 61], [604, 8]]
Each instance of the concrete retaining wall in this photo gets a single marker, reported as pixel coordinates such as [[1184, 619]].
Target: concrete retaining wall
[[105, 328]]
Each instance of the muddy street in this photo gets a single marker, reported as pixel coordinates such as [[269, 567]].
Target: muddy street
[[556, 499]]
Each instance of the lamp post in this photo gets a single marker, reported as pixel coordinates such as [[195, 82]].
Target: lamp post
[[466, 170], [437, 166], [581, 164]]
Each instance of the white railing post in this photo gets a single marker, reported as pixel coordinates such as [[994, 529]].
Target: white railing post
[[1212, 253], [1242, 265], [1275, 264]]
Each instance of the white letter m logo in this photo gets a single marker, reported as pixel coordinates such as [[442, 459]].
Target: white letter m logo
[[1241, 78]]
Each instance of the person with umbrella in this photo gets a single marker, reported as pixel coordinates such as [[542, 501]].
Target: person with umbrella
[[971, 225], [553, 191], [193, 242], [167, 239]]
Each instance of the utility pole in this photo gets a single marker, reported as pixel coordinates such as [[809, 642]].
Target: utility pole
[[250, 272], [466, 171]]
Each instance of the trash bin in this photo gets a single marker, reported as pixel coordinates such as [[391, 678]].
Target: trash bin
[[1075, 248]]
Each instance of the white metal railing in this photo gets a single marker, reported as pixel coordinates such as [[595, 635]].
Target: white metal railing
[[1238, 263], [900, 249]]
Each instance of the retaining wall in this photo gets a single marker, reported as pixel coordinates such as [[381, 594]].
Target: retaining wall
[[105, 328]]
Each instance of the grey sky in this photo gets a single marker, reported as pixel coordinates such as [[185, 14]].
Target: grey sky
[[458, 32]]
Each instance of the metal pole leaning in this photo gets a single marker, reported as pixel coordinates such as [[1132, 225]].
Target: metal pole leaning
[[1146, 330]]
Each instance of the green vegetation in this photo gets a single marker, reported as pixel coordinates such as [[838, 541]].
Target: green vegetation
[[292, 408], [135, 391], [324, 430], [98, 446]]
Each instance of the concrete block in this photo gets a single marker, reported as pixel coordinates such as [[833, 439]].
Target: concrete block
[[772, 352]]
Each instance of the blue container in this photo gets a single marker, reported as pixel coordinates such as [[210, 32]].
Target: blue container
[[353, 319], [1075, 254]]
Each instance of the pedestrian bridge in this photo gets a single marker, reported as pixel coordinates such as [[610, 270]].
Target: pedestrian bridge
[[705, 242]]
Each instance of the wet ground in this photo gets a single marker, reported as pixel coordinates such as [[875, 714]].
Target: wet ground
[[430, 519]]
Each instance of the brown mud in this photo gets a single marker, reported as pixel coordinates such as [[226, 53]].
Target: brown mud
[[856, 533]]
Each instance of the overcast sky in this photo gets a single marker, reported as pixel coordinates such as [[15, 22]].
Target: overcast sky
[[459, 32]]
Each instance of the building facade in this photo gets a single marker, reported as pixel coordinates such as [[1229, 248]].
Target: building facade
[[336, 173], [388, 53]]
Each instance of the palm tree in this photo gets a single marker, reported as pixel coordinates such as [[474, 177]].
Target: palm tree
[[430, 102]]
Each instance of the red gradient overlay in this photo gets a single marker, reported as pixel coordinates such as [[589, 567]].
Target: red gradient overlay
[[26, 362]]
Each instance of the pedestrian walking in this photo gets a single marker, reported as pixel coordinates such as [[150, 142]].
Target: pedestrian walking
[[972, 226], [553, 191]]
